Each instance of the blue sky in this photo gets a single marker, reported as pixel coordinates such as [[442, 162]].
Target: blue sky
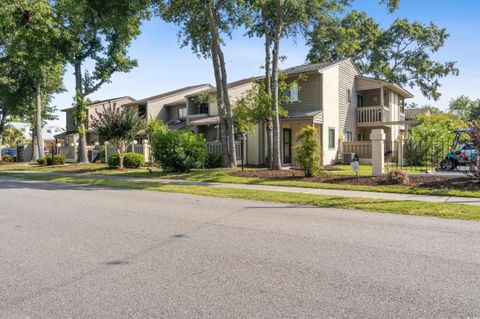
[[164, 66]]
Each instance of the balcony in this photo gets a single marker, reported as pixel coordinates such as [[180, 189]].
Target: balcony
[[194, 117], [372, 115]]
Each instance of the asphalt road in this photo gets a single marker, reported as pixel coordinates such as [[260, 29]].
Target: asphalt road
[[83, 252]]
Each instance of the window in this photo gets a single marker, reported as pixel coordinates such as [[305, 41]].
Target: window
[[348, 136], [331, 138], [292, 93], [74, 122], [203, 108], [182, 112], [360, 137], [142, 110], [359, 100], [375, 98], [349, 96]]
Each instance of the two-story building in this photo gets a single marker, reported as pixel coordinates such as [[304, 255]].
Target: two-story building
[[70, 136], [169, 107], [335, 98], [340, 103]]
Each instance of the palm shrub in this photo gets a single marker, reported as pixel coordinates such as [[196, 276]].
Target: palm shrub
[[308, 155], [119, 126], [179, 151], [397, 176]]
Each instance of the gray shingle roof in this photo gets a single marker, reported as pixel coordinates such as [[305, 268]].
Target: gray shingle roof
[[312, 67], [411, 114], [177, 91]]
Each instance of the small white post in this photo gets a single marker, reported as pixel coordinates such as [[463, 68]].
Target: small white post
[[106, 151], [378, 151], [400, 144]]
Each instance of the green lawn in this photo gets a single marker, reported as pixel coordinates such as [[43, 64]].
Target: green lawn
[[451, 211], [222, 176]]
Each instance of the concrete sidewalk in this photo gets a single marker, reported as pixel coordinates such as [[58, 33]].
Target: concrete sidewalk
[[302, 190]]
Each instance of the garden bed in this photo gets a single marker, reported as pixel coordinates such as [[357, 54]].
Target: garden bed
[[426, 181]]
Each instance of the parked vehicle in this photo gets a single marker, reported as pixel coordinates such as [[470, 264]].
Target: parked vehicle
[[460, 153], [9, 151]]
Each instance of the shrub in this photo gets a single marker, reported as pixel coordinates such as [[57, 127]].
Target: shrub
[[397, 176], [179, 151], [7, 158], [213, 160], [113, 161], [133, 160], [308, 155], [42, 161], [55, 160]]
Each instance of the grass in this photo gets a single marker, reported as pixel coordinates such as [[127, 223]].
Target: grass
[[223, 176], [442, 210]]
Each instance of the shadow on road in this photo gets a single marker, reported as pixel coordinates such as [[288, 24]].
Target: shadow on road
[[11, 183]]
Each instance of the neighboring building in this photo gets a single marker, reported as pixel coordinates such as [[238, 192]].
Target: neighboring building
[[48, 131], [169, 107], [71, 134], [411, 114]]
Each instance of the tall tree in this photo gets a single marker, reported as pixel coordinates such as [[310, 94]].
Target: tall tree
[[400, 53], [466, 108], [202, 24], [118, 125], [98, 33], [276, 19], [31, 39], [283, 18]]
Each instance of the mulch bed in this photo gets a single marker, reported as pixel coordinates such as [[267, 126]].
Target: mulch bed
[[427, 181]]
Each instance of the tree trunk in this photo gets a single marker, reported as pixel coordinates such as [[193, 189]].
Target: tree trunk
[[269, 131], [38, 120], [3, 122], [34, 145], [232, 155], [120, 153], [81, 122], [223, 101], [276, 159], [268, 83], [220, 107]]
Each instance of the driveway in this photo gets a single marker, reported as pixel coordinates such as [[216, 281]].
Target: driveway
[[85, 252]]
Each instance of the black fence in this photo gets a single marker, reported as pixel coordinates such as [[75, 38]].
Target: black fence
[[427, 155]]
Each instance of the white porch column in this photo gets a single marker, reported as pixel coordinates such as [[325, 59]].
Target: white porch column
[[382, 102], [400, 144], [378, 151]]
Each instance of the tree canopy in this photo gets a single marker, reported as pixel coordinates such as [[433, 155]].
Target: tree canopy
[[119, 126], [401, 53], [468, 109]]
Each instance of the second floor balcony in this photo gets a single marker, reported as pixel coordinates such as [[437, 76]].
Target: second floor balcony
[[372, 115]]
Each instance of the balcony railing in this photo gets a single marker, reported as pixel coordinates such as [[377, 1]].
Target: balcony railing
[[194, 117], [372, 115], [216, 148]]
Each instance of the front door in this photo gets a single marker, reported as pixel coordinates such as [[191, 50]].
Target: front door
[[287, 146]]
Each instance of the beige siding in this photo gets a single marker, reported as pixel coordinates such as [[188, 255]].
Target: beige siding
[[173, 111], [347, 73], [331, 112], [309, 95], [94, 108], [70, 122], [157, 109]]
